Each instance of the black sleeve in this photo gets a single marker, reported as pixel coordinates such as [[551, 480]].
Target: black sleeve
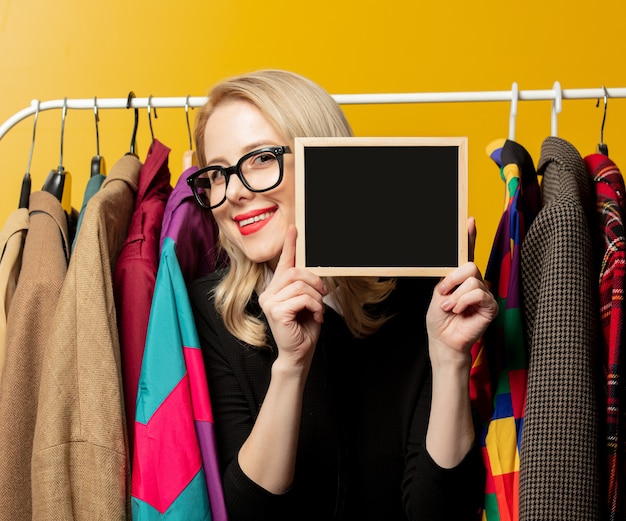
[[233, 412], [431, 492]]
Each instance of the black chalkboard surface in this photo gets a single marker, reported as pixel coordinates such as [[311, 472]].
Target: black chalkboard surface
[[381, 206]]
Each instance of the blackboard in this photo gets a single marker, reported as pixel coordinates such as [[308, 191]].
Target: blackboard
[[381, 206]]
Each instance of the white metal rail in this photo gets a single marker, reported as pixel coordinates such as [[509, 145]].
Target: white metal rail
[[556, 94]]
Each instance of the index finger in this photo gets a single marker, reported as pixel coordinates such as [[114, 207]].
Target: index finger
[[288, 255], [457, 277]]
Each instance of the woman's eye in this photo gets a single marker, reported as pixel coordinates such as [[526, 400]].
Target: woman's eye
[[264, 159], [216, 176]]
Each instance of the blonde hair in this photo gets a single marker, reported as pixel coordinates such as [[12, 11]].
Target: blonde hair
[[297, 107]]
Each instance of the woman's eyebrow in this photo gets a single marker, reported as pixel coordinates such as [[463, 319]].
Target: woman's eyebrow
[[248, 148]]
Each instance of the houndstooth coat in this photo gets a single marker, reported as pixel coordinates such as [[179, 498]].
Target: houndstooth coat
[[560, 450]]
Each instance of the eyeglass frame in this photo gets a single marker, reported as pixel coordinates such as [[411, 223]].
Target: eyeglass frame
[[278, 151]]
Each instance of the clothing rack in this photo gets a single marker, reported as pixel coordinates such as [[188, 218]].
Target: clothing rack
[[555, 94]]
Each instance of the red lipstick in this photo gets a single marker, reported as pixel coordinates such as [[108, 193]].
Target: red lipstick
[[252, 222]]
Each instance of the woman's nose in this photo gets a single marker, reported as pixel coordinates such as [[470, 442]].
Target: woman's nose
[[236, 190]]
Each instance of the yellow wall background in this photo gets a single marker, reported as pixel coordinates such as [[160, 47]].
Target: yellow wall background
[[51, 50]]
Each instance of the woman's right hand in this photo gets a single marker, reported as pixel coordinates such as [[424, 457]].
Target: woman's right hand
[[292, 303]]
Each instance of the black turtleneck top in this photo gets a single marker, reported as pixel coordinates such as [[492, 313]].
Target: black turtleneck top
[[361, 453]]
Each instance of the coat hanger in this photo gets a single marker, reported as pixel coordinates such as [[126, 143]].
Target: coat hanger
[[58, 183], [602, 146], [189, 156], [150, 108], [513, 113], [557, 106], [26, 181], [97, 161], [133, 139]]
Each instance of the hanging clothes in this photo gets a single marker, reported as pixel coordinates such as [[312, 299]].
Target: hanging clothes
[[501, 355], [93, 185], [559, 459], [610, 255], [80, 467], [193, 230], [30, 319], [173, 409], [191, 235], [12, 238], [135, 271]]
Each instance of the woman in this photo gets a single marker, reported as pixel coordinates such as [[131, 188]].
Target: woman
[[343, 398]]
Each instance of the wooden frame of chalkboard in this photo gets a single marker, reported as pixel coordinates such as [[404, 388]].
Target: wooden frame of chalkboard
[[385, 206]]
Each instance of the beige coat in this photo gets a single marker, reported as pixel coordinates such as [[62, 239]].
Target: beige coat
[[12, 238], [29, 321], [80, 468]]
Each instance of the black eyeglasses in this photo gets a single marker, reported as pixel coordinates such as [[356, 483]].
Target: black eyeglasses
[[259, 171]]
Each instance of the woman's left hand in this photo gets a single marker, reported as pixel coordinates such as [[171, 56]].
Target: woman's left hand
[[460, 311]]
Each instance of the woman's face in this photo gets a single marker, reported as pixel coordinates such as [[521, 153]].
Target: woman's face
[[234, 129]]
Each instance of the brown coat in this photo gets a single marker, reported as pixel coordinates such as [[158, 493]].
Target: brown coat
[[80, 468], [29, 321]]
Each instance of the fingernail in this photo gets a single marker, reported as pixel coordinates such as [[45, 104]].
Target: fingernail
[[447, 305]]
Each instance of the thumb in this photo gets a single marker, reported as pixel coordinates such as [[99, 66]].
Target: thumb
[[288, 255]]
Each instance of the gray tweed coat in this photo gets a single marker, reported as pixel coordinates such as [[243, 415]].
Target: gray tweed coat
[[560, 459]]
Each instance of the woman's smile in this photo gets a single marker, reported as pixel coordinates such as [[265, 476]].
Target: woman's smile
[[252, 222]]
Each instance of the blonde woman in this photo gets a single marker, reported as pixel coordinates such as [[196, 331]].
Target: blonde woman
[[343, 398]]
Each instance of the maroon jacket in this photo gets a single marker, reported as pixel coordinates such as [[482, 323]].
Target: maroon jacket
[[135, 271]]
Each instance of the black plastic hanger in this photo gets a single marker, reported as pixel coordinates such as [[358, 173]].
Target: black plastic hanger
[[25, 191], [602, 146], [55, 182], [97, 161], [133, 139], [26, 181]]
